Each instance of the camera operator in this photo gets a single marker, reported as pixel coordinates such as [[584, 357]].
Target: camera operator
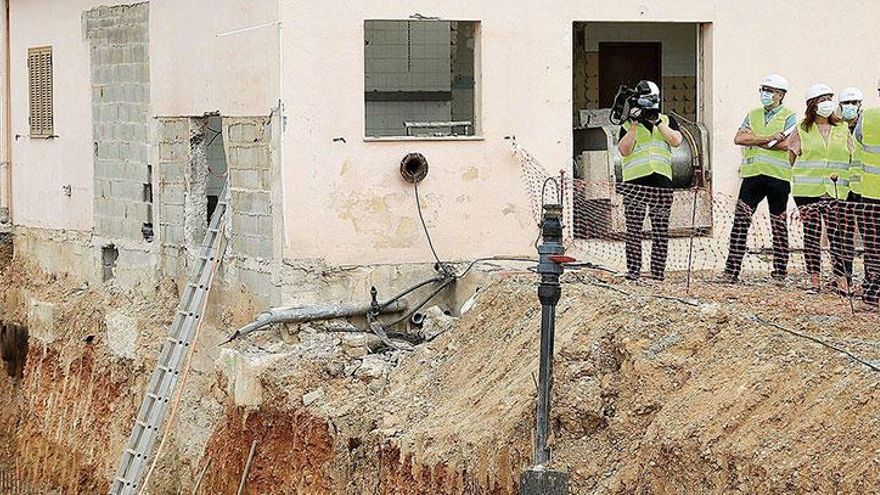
[[646, 142]]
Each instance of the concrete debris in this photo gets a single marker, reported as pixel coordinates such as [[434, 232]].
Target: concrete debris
[[471, 302], [436, 323], [242, 377], [372, 366], [358, 345], [313, 397], [41, 321], [122, 334]]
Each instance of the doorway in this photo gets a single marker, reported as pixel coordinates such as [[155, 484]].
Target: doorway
[[627, 64]]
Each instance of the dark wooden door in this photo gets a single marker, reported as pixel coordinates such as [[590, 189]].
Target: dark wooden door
[[626, 63]]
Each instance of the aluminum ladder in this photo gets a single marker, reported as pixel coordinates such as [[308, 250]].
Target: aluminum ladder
[[172, 358]]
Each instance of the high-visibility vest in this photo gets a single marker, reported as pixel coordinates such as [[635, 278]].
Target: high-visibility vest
[[651, 153], [855, 169], [870, 154], [761, 161], [819, 161]]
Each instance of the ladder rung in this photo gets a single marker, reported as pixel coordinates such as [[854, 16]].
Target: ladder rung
[[122, 480], [133, 452], [156, 397]]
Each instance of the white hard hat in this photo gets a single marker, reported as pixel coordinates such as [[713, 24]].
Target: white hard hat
[[775, 81], [818, 90], [851, 94]]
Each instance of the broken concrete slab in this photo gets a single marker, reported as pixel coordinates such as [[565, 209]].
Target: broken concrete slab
[[41, 320], [436, 323], [122, 334], [313, 397], [242, 378], [372, 367]]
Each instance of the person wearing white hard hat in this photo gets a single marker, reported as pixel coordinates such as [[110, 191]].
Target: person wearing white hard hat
[[820, 151], [851, 106], [645, 143], [765, 173]]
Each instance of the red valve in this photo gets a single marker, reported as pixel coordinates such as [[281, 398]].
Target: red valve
[[560, 259]]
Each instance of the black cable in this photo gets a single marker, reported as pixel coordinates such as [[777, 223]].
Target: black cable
[[420, 305], [424, 225], [493, 258], [436, 278]]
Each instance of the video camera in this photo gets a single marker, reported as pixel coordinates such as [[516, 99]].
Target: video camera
[[641, 104]]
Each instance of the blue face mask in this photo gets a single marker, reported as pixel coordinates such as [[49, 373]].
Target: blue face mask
[[849, 112], [766, 98]]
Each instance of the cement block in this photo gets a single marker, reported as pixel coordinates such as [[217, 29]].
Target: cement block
[[259, 226], [122, 334], [172, 151], [171, 214], [242, 380], [256, 202], [256, 282], [172, 172], [253, 180], [41, 320]]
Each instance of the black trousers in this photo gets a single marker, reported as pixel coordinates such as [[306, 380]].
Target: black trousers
[[870, 228], [651, 194], [839, 225], [752, 191]]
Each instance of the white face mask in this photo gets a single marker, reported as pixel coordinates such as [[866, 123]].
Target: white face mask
[[826, 108]]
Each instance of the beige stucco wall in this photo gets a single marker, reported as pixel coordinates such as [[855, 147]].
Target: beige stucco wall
[[193, 71], [346, 202], [41, 168]]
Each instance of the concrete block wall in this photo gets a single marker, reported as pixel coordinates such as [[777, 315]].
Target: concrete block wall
[[252, 214], [172, 172], [249, 162], [120, 78]]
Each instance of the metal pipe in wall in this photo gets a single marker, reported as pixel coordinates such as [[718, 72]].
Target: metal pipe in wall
[[6, 155]]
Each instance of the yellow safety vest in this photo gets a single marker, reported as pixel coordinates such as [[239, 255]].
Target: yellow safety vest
[[761, 161], [855, 169], [819, 161], [651, 153], [870, 154]]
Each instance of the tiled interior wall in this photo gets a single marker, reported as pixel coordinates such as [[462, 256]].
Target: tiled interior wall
[[417, 56], [407, 56]]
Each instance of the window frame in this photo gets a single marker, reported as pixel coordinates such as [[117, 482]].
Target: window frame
[[477, 119]]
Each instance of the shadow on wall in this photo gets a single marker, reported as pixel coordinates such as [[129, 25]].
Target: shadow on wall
[[14, 346]]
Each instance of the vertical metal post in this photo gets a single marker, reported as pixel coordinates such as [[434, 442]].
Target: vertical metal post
[[549, 292], [551, 255]]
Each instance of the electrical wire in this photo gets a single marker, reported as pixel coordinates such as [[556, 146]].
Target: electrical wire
[[424, 225]]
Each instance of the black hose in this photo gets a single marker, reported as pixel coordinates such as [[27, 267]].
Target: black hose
[[421, 304]]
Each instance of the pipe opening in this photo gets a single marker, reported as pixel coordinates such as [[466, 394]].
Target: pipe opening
[[414, 167]]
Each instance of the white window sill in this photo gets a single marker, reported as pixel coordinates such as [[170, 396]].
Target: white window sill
[[392, 139]]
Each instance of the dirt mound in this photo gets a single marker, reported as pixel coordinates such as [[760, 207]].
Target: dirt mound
[[655, 391]]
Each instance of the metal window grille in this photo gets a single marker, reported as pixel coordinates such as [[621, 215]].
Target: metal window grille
[[40, 91]]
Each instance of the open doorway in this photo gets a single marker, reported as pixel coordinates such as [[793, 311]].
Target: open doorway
[[216, 157], [627, 63], [607, 55]]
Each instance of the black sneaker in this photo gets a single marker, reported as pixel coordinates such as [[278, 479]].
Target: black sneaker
[[727, 278]]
